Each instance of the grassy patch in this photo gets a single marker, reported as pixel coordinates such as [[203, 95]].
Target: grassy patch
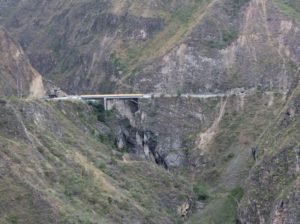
[[237, 193], [221, 209], [12, 219], [288, 9]]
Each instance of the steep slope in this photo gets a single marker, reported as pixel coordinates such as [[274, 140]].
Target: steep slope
[[272, 194], [159, 46], [18, 77], [209, 141], [57, 167], [234, 45], [77, 40]]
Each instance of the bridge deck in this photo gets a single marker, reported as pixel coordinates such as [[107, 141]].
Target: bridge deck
[[112, 96]]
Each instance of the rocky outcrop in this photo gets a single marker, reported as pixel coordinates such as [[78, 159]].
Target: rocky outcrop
[[18, 77], [185, 209], [131, 133]]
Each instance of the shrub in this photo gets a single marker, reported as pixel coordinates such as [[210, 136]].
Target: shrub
[[201, 192], [102, 166], [102, 114], [106, 139], [237, 193], [229, 157], [12, 219], [109, 199]]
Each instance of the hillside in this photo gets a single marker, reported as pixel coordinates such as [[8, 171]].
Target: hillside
[[159, 46], [182, 155], [57, 167]]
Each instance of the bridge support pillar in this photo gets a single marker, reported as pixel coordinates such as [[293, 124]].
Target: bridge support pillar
[[105, 103]]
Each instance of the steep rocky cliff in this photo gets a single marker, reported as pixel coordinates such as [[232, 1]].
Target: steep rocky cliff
[[18, 77]]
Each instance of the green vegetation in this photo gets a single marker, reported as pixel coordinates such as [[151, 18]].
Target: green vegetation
[[289, 7], [241, 125], [107, 139], [102, 114], [226, 37], [229, 35], [237, 193], [221, 207], [61, 155], [221, 210], [201, 192], [12, 219], [81, 178], [185, 13]]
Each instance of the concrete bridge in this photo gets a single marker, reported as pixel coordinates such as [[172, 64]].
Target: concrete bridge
[[111, 97], [107, 97], [104, 97]]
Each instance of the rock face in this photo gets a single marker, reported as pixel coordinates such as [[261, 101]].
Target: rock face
[[162, 129], [79, 39], [18, 77], [233, 45], [183, 46]]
